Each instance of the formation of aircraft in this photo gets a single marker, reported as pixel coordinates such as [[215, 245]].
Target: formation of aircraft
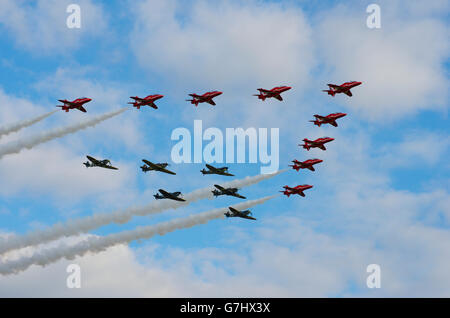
[[205, 98], [208, 98], [75, 104], [343, 88], [307, 164], [226, 191], [329, 119], [146, 101], [296, 190], [318, 143], [105, 163], [150, 166], [232, 213], [168, 195], [220, 171], [272, 93]]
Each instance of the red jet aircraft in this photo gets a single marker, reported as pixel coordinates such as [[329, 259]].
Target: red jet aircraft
[[318, 143], [205, 98], [296, 190], [307, 164], [75, 104], [344, 88], [329, 119], [146, 101], [274, 92]]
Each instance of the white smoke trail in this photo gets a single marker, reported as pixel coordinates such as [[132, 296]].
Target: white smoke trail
[[30, 142], [84, 225], [96, 244], [5, 130]]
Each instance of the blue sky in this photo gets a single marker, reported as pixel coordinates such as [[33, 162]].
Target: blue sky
[[380, 196]]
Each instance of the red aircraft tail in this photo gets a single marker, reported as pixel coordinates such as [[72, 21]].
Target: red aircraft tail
[[64, 107], [329, 91], [135, 105], [193, 101], [261, 96], [305, 146]]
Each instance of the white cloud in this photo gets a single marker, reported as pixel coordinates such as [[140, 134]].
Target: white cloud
[[57, 171], [399, 64], [41, 27], [9, 106], [223, 45], [352, 217], [418, 149]]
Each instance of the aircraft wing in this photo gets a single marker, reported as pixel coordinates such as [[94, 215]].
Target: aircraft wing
[[311, 168], [219, 187], [322, 147], [211, 168], [233, 210], [219, 171], [237, 195], [157, 168], [109, 167], [211, 102], [164, 193], [262, 90], [279, 97], [93, 160], [333, 86], [348, 93], [247, 217], [82, 109], [167, 171], [150, 164], [333, 123]]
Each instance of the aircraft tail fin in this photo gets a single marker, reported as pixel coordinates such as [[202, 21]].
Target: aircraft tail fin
[[63, 107], [329, 91], [135, 104], [260, 96], [193, 101]]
